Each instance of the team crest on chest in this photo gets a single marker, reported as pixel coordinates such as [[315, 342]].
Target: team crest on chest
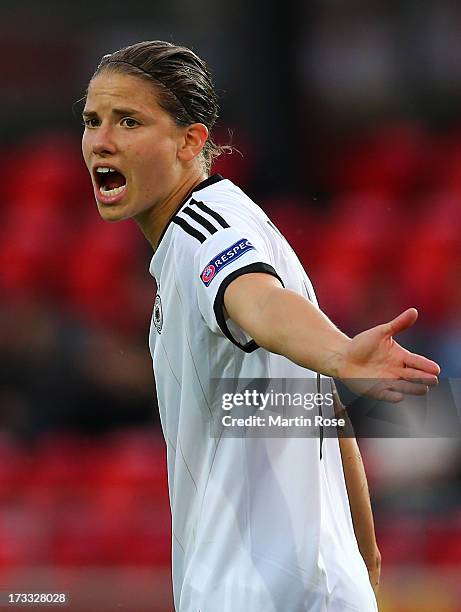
[[157, 315]]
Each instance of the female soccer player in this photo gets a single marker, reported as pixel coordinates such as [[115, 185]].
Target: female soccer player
[[260, 524]]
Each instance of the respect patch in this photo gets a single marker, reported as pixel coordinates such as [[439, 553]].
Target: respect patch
[[223, 259]]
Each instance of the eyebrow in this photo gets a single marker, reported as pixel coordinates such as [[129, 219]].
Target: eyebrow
[[119, 112]]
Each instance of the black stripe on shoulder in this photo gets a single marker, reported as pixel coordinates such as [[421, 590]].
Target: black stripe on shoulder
[[218, 305], [189, 229], [196, 217], [222, 222]]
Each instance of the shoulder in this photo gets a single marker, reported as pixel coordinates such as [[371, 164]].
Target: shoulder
[[198, 220], [217, 219], [194, 226], [221, 206]]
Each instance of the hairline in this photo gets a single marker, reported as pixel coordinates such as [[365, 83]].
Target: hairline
[[125, 68], [205, 157]]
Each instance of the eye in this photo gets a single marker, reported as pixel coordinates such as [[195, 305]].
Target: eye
[[90, 122], [129, 122]]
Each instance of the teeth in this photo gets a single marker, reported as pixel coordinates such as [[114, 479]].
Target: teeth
[[104, 170], [111, 192]]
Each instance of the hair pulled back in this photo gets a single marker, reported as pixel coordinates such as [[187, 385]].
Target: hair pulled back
[[181, 80]]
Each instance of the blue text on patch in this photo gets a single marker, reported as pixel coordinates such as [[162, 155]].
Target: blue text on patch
[[223, 259]]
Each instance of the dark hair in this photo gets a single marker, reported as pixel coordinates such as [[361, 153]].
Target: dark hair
[[182, 81]]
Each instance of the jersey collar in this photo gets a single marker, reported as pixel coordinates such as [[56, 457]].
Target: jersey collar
[[211, 180]]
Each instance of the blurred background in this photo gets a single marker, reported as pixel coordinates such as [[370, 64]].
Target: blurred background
[[347, 116]]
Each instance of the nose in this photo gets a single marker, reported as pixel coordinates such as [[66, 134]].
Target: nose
[[103, 142]]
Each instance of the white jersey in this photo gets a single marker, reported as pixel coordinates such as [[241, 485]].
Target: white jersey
[[258, 524]]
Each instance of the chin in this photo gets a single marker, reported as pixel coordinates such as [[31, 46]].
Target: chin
[[111, 214]]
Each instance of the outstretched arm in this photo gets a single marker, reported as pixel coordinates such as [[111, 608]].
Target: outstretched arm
[[286, 323]]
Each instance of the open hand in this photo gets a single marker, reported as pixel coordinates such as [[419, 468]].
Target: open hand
[[377, 366]]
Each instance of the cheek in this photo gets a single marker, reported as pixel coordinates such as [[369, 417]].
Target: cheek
[[86, 150], [156, 162]]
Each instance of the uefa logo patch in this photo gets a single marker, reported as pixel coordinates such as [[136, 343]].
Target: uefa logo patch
[[208, 274], [223, 259]]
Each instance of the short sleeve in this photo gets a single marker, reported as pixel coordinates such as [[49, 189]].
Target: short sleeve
[[222, 258]]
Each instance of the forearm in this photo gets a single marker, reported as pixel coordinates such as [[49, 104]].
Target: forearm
[[357, 486], [359, 499], [362, 515], [286, 323]]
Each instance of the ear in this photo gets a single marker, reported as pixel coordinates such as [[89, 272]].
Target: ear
[[193, 141]]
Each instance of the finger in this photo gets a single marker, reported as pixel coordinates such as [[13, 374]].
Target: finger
[[385, 391], [405, 320], [418, 362], [419, 376], [393, 397], [396, 390], [410, 387], [406, 387]]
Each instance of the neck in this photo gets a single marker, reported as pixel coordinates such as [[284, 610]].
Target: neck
[[153, 221]]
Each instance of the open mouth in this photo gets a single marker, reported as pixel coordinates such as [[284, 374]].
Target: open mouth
[[110, 182]]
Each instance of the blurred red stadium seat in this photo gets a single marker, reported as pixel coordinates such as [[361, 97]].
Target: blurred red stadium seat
[[46, 172], [393, 159]]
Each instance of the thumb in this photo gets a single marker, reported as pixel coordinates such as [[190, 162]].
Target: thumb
[[402, 322]]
